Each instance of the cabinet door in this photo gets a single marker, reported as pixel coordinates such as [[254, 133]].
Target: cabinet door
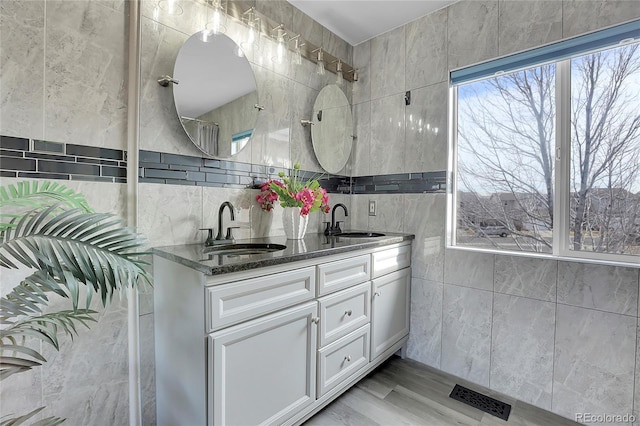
[[389, 310], [263, 371]]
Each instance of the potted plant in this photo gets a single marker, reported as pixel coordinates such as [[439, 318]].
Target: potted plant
[[51, 230], [298, 196]]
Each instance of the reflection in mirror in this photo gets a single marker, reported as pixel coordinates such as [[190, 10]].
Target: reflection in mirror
[[216, 98], [332, 129]]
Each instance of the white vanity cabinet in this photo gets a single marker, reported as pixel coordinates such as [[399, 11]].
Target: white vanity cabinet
[[389, 313], [263, 371], [275, 344]]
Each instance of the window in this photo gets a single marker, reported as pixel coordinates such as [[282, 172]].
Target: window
[[546, 149]]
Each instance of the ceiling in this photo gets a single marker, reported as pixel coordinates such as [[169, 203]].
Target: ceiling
[[356, 21]]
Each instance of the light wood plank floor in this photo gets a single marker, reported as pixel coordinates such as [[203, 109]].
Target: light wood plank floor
[[405, 392]]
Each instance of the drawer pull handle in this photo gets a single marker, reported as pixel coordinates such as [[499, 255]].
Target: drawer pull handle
[[347, 358], [377, 293], [348, 313], [315, 320]]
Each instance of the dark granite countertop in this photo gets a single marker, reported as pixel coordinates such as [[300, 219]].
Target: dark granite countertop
[[313, 245]]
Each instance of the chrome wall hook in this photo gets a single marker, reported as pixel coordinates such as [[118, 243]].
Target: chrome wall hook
[[166, 79]]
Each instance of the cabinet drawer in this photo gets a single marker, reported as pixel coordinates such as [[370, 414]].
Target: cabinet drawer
[[334, 276], [239, 301], [344, 357], [390, 260], [343, 312]]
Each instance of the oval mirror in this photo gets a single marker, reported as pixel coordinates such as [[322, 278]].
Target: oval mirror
[[216, 96], [332, 129]]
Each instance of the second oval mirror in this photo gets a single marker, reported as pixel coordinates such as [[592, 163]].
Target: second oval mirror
[[216, 97], [332, 129]]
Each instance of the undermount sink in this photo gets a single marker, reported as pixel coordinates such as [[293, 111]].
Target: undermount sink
[[244, 249], [359, 234]]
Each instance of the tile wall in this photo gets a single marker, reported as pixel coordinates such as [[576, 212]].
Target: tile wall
[[63, 67], [532, 329], [560, 335]]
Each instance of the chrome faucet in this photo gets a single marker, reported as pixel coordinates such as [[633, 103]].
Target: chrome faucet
[[229, 237], [334, 228]]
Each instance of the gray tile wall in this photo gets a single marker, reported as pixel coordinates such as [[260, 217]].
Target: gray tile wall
[[63, 67], [559, 335]]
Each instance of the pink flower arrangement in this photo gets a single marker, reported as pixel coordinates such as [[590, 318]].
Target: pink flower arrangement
[[293, 192]]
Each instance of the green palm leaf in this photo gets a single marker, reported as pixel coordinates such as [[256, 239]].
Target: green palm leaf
[[15, 421], [30, 296], [16, 198], [16, 358], [74, 248]]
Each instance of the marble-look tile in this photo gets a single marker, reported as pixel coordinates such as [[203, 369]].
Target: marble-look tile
[[466, 333], [147, 370], [525, 276], [426, 129], [582, 16], [359, 212], [387, 64], [270, 144], [425, 337], [337, 46], [305, 73], [360, 163], [426, 51], [362, 62], [387, 134], [607, 288], [85, 60], [472, 31], [70, 376], [469, 269], [424, 216], [522, 340], [160, 128], [22, 93], [593, 362], [242, 201], [301, 143], [389, 212], [279, 11], [192, 19], [170, 214], [527, 24], [13, 389], [307, 27]]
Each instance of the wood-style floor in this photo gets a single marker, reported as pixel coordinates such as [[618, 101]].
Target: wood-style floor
[[405, 392]]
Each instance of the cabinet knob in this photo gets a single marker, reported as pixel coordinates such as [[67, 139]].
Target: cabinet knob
[[347, 358], [348, 313], [315, 320], [377, 293]]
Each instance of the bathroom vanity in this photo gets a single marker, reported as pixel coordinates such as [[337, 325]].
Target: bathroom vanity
[[271, 338]]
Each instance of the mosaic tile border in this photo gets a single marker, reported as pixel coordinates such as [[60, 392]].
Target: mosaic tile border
[[35, 159], [29, 158]]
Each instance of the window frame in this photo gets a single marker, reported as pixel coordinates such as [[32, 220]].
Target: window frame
[[561, 249]]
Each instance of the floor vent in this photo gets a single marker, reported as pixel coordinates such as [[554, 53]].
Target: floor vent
[[482, 402]]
